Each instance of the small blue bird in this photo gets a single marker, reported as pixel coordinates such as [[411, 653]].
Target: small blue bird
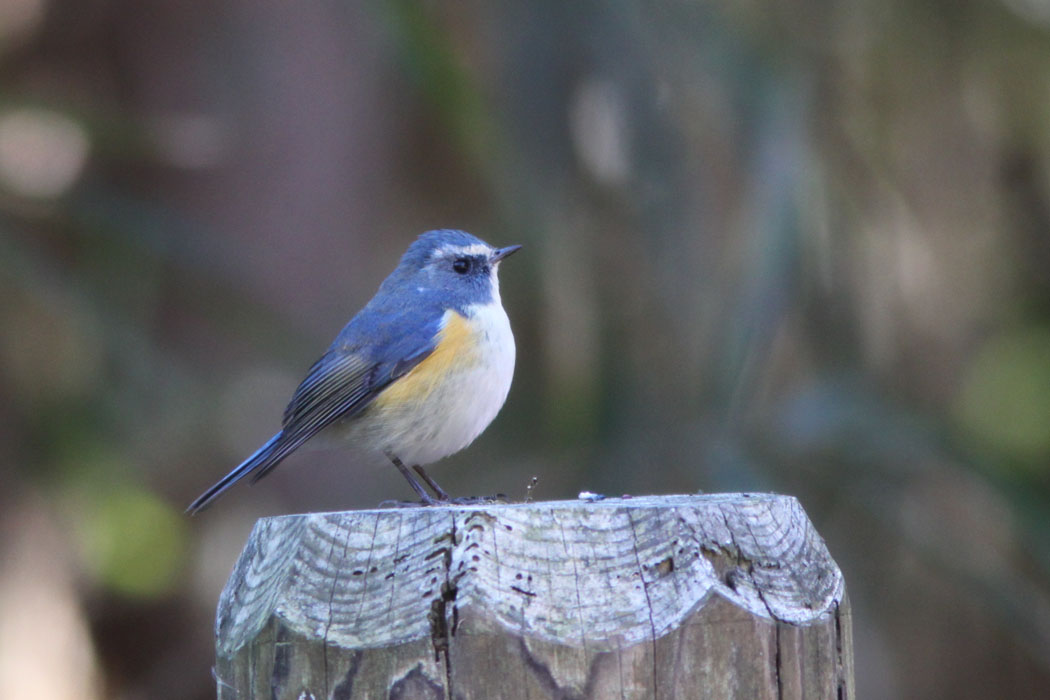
[[415, 376]]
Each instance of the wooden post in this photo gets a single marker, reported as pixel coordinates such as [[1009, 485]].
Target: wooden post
[[717, 596]]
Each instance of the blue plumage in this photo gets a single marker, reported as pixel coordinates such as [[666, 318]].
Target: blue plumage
[[442, 272]]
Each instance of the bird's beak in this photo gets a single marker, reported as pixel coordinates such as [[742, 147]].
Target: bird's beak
[[501, 253]]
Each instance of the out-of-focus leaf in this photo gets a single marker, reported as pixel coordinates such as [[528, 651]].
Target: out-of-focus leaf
[[133, 542], [1005, 397]]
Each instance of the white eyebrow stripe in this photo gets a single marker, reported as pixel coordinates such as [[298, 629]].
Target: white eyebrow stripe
[[475, 249]]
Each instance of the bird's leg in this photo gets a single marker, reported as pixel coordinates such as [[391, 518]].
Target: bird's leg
[[420, 491], [443, 496], [438, 491]]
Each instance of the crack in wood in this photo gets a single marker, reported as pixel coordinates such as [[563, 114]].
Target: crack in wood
[[331, 597], [440, 630], [335, 596], [344, 690], [576, 580], [282, 655], [840, 665], [648, 601], [777, 660]]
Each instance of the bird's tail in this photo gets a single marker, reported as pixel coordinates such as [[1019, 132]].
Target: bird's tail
[[264, 459]]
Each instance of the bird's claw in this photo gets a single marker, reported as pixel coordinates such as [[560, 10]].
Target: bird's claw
[[461, 501]]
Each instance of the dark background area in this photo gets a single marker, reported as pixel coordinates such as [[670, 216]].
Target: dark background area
[[798, 246]]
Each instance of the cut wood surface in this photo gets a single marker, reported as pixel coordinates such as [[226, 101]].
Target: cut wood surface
[[712, 596]]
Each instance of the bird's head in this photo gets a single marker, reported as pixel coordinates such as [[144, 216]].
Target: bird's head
[[455, 264]]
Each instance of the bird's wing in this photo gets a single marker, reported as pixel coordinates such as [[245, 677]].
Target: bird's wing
[[341, 384]]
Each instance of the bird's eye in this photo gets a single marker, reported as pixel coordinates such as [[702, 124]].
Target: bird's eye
[[461, 265]]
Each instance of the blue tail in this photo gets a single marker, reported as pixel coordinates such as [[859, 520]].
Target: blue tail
[[264, 459]]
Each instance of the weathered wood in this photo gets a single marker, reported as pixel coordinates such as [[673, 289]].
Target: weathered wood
[[719, 596]]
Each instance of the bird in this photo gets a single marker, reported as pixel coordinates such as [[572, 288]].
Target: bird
[[414, 377]]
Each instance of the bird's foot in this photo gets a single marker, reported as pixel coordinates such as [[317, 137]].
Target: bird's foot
[[479, 500], [461, 501], [393, 503]]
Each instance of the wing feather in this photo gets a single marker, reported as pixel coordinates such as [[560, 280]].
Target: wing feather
[[339, 385], [383, 342]]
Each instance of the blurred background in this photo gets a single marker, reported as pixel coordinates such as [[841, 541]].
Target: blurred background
[[798, 246]]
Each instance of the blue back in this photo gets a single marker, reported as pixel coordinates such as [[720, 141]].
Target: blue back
[[395, 331], [391, 335], [405, 314]]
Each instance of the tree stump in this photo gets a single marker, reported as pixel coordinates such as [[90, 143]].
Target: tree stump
[[711, 596]]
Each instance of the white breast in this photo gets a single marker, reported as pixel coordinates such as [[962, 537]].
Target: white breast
[[491, 377], [463, 405]]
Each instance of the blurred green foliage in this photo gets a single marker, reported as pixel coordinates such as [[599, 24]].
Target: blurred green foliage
[[1005, 398], [134, 542], [800, 247]]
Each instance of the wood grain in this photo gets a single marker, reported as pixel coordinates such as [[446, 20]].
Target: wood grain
[[716, 596]]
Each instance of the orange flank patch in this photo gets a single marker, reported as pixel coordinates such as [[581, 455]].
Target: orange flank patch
[[456, 350]]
